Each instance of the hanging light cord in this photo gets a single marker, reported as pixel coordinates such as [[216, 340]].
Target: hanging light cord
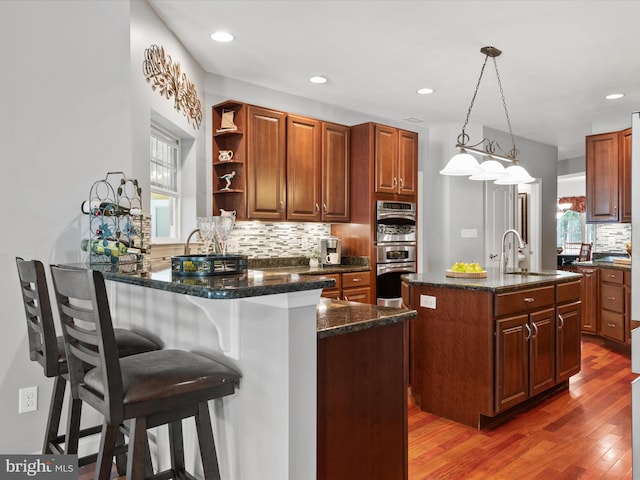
[[514, 151], [463, 137]]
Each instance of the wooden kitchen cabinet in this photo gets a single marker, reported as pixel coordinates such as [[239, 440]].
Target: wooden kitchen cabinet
[[317, 170], [614, 315], [234, 141], [525, 346], [608, 177], [482, 352], [266, 164], [568, 325], [396, 157], [589, 288], [351, 286]]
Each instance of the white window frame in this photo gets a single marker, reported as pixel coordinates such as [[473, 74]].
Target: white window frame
[[173, 142]]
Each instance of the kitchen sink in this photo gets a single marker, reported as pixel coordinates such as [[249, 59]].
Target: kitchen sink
[[533, 274]]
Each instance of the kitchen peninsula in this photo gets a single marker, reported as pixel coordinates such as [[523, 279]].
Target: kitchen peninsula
[[482, 346], [301, 360]]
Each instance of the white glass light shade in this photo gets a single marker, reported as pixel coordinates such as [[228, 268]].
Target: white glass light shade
[[515, 175], [461, 164], [491, 170]]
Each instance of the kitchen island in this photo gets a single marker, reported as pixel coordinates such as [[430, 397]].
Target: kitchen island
[[268, 326], [482, 346]]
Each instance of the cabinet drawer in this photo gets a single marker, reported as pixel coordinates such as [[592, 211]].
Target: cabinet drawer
[[568, 292], [355, 279], [612, 298], [337, 277], [612, 276], [525, 300], [362, 295], [612, 325]]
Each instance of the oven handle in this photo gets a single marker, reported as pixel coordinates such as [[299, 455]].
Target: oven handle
[[396, 214], [383, 268]]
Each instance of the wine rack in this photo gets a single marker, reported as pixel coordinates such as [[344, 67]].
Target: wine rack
[[118, 232]]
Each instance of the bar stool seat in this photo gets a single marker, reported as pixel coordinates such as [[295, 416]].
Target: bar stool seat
[[145, 390], [48, 350]]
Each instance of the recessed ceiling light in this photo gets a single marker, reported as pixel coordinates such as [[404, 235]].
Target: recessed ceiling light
[[223, 37], [614, 96], [424, 91], [318, 79]]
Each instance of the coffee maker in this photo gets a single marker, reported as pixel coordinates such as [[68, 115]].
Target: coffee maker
[[330, 250]]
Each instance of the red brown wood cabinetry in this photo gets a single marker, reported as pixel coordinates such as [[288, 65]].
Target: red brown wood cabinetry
[[317, 170], [480, 352], [266, 164], [614, 309], [304, 168], [396, 157], [568, 328], [335, 172], [608, 177], [625, 175], [235, 141], [525, 346], [351, 286], [589, 288], [362, 405]]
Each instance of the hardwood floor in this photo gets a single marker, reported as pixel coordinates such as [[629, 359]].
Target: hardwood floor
[[582, 433]]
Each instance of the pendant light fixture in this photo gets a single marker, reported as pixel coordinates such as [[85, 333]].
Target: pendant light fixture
[[464, 164]]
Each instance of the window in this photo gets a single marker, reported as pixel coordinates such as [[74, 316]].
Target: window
[[164, 154]]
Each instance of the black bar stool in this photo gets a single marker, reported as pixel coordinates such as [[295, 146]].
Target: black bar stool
[[48, 350], [148, 389]]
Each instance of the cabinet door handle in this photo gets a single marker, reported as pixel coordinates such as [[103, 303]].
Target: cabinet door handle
[[346, 298], [529, 299], [611, 325], [611, 298], [281, 206], [528, 337], [324, 207], [561, 322], [401, 183], [317, 208], [535, 327], [395, 182]]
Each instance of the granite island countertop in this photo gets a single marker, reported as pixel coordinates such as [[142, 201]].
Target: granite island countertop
[[606, 262], [494, 281], [337, 317], [250, 283]]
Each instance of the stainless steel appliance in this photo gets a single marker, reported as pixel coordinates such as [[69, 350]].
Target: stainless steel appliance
[[395, 222], [330, 250], [395, 249]]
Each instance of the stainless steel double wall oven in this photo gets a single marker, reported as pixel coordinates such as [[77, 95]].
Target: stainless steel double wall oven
[[395, 249]]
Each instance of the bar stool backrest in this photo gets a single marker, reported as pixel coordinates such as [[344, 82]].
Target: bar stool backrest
[[41, 331], [88, 335]]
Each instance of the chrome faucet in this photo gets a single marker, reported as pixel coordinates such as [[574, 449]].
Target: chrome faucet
[[503, 255], [186, 245]]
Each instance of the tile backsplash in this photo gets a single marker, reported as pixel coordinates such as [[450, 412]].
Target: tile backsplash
[[611, 237], [258, 239]]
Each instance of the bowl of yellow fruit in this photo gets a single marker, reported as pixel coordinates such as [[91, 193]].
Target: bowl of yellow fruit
[[466, 270]]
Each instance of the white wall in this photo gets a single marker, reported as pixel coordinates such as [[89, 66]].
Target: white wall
[[76, 105], [65, 121]]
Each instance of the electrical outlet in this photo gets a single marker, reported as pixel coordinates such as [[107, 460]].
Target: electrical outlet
[[428, 301], [28, 399]]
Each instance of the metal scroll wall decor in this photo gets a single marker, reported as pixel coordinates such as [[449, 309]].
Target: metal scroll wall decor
[[166, 76]]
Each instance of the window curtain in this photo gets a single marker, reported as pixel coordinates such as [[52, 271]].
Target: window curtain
[[578, 204]]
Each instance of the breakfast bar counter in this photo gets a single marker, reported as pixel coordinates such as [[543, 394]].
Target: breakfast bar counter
[[284, 339]]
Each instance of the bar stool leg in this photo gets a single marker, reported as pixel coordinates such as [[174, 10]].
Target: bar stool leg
[[176, 446], [73, 426], [106, 451], [55, 410], [207, 443], [137, 464]]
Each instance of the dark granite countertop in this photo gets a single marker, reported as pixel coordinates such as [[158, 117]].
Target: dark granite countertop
[[606, 262], [338, 317], [494, 282], [251, 283], [300, 265]]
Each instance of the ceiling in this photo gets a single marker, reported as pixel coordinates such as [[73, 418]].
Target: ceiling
[[559, 60]]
